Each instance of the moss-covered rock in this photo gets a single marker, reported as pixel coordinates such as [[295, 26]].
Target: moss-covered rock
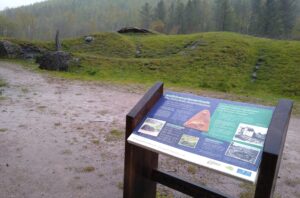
[[9, 49], [55, 61]]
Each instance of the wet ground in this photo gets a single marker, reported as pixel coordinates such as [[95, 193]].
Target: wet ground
[[62, 138]]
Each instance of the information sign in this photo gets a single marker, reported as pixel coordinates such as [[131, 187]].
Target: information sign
[[218, 134]]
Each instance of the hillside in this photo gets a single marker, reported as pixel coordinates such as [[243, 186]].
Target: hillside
[[219, 61], [214, 61]]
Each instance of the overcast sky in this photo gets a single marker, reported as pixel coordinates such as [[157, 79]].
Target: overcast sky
[[16, 3]]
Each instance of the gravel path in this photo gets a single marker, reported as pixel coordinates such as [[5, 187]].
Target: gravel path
[[62, 138]]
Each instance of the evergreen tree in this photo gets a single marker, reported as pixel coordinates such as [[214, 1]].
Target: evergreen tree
[[146, 16], [160, 11], [7, 27], [256, 17], [171, 18], [272, 25], [179, 19], [242, 10], [224, 16], [197, 16], [296, 30], [206, 16], [287, 15], [188, 18], [272, 18]]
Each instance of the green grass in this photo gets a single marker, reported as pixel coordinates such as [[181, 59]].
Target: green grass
[[2, 83], [25, 90], [222, 62], [114, 135], [249, 191], [219, 61], [88, 169], [120, 185], [105, 44], [2, 130], [95, 141], [164, 194], [42, 44], [192, 169], [2, 98]]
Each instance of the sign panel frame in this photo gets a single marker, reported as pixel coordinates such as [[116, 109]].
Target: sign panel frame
[[141, 173], [191, 128]]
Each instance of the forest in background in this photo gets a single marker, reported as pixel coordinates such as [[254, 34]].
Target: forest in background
[[266, 18]]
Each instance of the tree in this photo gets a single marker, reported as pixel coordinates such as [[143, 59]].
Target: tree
[[7, 27], [271, 20], [160, 11], [158, 26], [242, 10], [179, 19], [206, 16], [224, 16], [146, 16], [287, 15], [296, 30], [196, 16], [188, 24], [26, 24], [171, 18], [256, 17]]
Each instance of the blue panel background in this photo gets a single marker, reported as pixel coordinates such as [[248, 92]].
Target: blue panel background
[[180, 112]]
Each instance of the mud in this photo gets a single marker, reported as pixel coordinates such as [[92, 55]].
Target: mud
[[55, 141]]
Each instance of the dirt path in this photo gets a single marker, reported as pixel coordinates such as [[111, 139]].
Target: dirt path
[[61, 138]]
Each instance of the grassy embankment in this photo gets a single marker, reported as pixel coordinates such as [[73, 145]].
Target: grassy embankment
[[211, 61]]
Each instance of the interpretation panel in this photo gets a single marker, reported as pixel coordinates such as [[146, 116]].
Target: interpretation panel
[[218, 134]]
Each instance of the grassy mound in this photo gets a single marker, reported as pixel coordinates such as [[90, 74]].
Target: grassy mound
[[218, 61]]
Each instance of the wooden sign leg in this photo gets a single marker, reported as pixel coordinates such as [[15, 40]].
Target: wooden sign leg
[[140, 162], [273, 149]]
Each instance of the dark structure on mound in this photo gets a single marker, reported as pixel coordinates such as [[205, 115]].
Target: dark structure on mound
[[55, 61], [58, 60], [127, 30]]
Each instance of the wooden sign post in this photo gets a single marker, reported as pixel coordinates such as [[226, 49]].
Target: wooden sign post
[[141, 172]]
